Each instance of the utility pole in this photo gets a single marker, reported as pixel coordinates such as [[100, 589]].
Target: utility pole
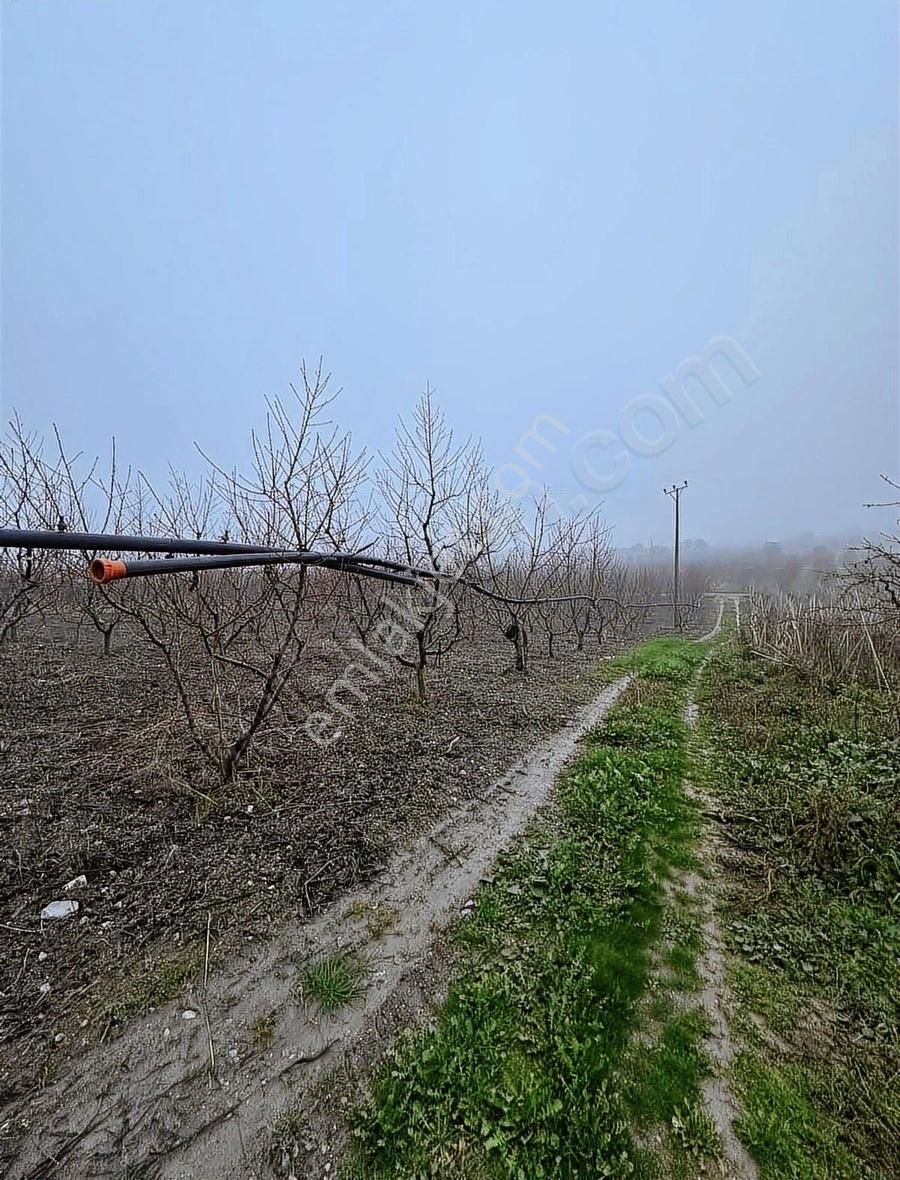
[[674, 493]]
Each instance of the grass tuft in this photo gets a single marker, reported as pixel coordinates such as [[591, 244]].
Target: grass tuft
[[333, 983]]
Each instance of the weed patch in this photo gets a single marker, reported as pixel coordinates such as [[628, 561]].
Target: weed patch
[[262, 1031], [807, 781], [522, 1076], [157, 985], [785, 1132], [287, 1141], [333, 983]]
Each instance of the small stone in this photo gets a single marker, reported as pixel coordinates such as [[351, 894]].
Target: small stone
[[76, 883], [44, 989], [189, 1014], [59, 909], [41, 956]]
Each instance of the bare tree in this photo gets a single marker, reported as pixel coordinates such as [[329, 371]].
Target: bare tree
[[29, 580], [876, 571], [232, 640], [435, 497], [85, 498], [585, 581], [520, 574], [571, 577]]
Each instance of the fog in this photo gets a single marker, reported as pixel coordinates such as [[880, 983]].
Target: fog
[[545, 211]]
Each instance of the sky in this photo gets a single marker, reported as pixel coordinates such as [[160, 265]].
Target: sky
[[543, 210]]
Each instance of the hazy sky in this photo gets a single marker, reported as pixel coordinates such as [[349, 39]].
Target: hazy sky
[[543, 209]]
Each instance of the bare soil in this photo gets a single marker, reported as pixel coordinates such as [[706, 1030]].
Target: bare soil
[[194, 1096], [96, 781]]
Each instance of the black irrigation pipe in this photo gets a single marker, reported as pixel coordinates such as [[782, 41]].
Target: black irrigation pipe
[[102, 570], [116, 543], [240, 554], [208, 555], [89, 542]]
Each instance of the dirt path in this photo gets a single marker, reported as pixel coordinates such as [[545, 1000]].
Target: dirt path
[[717, 626], [712, 996], [718, 1098], [190, 1087]]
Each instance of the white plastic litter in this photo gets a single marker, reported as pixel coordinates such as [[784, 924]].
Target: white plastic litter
[[59, 909]]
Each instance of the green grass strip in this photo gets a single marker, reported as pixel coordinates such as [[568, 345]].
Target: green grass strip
[[806, 773], [519, 1077]]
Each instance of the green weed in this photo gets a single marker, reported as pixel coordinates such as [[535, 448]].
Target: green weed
[[333, 983], [807, 779], [520, 1078], [787, 1135]]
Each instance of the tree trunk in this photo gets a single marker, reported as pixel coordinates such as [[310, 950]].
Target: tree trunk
[[521, 642], [421, 661]]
